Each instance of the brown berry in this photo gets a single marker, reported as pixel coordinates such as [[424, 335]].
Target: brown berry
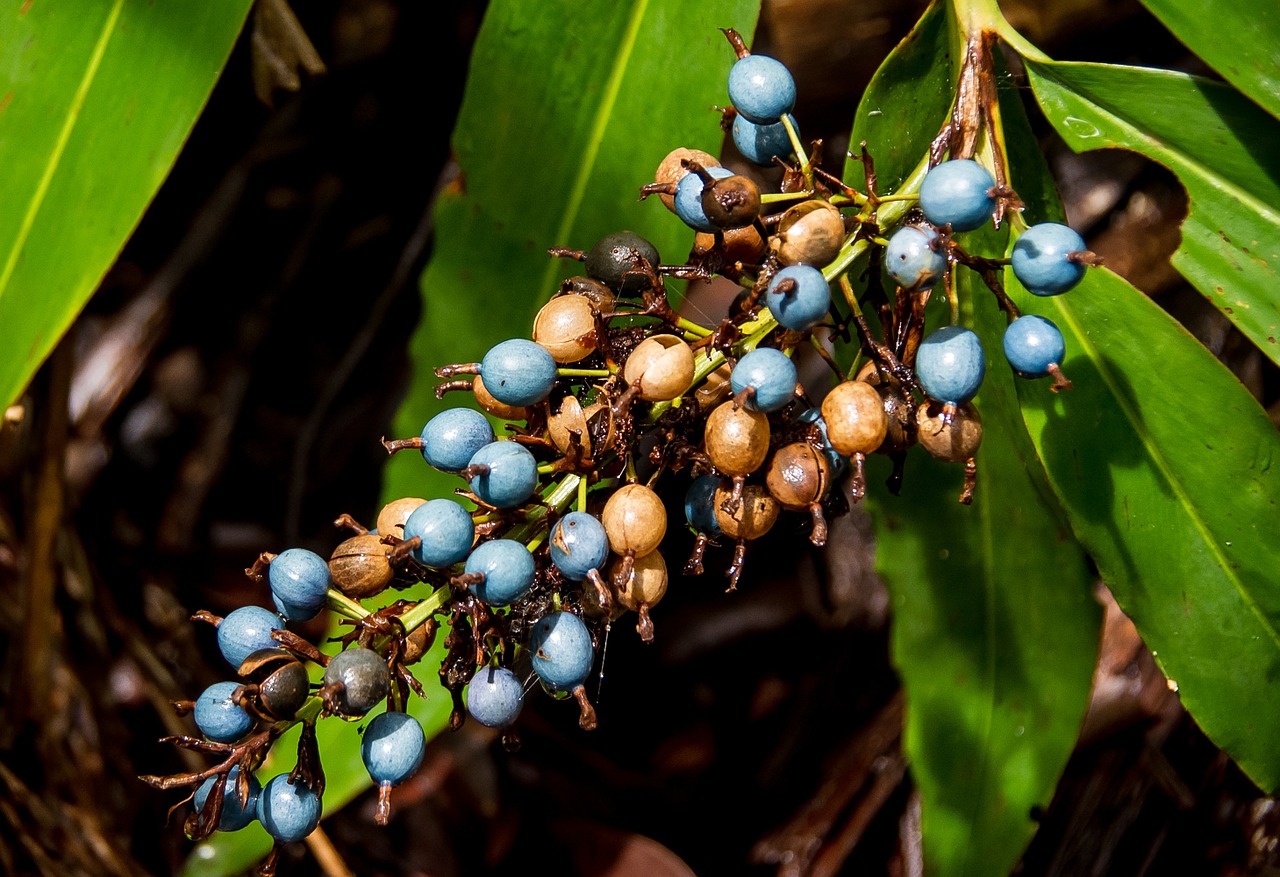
[[360, 567], [393, 515], [798, 476], [493, 406], [953, 443], [672, 169], [646, 584], [566, 327], [855, 418], [752, 517], [810, 233], [663, 364], [731, 202], [634, 520], [737, 439]]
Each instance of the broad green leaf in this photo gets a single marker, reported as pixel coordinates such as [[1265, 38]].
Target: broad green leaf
[[1167, 470], [95, 102], [1241, 40], [994, 631], [345, 775], [905, 104], [569, 108], [1221, 147]]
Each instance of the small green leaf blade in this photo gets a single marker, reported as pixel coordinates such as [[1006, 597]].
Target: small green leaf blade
[[1241, 40], [94, 105], [1165, 466], [557, 159], [1219, 145]]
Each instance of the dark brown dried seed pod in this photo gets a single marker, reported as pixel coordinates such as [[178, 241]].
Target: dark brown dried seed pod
[[799, 475], [281, 680], [731, 202], [754, 514], [954, 442]]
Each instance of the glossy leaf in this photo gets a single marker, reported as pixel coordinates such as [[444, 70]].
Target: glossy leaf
[[1221, 147], [905, 104], [227, 853], [95, 102], [994, 635], [557, 159], [1167, 470], [1241, 40]]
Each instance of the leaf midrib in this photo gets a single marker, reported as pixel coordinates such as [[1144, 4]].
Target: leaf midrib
[[604, 111], [60, 145]]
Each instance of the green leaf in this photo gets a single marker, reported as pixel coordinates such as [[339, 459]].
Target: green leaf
[[905, 104], [1221, 147], [345, 775], [1165, 466], [1241, 40], [557, 159], [95, 102], [994, 628], [994, 634]]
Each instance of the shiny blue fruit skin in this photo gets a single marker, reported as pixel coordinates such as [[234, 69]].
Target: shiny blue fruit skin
[[1032, 344], [807, 305], [699, 508], [1040, 262], [911, 261], [494, 697], [956, 192], [561, 648], [451, 438], [446, 531], [578, 545], [245, 630], [518, 372], [300, 583], [234, 817], [688, 201], [761, 144], [761, 88], [289, 812], [950, 364], [217, 717], [508, 570], [512, 477], [773, 375], [392, 748]]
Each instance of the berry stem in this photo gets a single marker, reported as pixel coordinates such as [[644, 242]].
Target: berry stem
[[806, 169], [341, 604]]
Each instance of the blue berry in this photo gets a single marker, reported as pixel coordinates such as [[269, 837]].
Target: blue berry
[[688, 200], [300, 583], [578, 545], [805, 304], [761, 88], [508, 570], [494, 697], [1040, 258], [512, 477], [911, 260], [446, 532], [950, 364], [835, 459], [234, 817], [518, 372], [561, 649], [762, 143], [699, 508], [452, 437], [771, 373], [218, 717], [392, 748], [956, 192], [288, 811], [245, 630], [1032, 344]]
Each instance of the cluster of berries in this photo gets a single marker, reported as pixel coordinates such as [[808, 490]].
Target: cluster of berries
[[615, 391]]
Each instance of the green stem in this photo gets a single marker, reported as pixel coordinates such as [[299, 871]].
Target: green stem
[[692, 327], [343, 605], [984, 16], [418, 615], [583, 372]]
